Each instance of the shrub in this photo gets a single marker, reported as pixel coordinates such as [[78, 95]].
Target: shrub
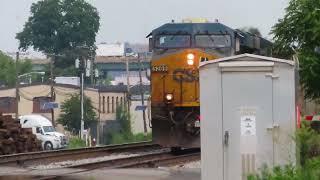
[[118, 138], [308, 148], [125, 134], [310, 171], [76, 143], [70, 116]]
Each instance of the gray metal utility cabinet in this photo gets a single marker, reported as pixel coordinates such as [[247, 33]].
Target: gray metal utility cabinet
[[248, 115]]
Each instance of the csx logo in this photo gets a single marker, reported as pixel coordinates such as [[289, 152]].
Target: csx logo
[[185, 75]]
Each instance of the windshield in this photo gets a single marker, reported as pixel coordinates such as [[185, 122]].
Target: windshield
[[173, 41], [48, 129], [213, 41]]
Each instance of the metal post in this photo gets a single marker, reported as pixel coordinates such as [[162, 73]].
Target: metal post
[[52, 91], [99, 118], [81, 99], [17, 86], [142, 98]]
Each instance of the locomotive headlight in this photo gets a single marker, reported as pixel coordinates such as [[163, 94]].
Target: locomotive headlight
[[190, 59], [190, 56], [169, 97], [190, 62]]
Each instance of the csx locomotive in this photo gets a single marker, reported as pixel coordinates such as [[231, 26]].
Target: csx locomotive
[[177, 49]]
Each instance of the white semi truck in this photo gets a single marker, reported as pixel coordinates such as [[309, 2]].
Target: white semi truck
[[45, 132]]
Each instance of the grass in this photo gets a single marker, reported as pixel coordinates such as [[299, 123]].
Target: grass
[[119, 138], [76, 143]]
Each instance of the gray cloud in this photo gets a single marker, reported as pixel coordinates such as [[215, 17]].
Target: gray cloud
[[132, 20]]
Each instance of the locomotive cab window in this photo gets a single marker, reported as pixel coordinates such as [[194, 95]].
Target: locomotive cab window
[[173, 41], [213, 41]]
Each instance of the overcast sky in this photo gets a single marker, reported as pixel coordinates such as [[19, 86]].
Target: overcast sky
[[132, 20]]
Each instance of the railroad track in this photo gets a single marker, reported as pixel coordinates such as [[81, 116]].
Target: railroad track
[[150, 160], [46, 157]]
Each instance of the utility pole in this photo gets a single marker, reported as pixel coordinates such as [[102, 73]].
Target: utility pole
[[99, 118], [17, 86], [96, 75], [142, 98], [81, 101], [52, 91], [81, 64], [128, 85]]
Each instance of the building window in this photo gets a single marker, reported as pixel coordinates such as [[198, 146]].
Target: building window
[[121, 101], [117, 102], [39, 104], [112, 106], [7, 104], [103, 104], [108, 104]]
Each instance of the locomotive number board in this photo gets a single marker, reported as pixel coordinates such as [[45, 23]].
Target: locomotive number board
[[160, 68]]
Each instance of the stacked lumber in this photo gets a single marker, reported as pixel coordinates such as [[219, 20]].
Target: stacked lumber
[[14, 139]]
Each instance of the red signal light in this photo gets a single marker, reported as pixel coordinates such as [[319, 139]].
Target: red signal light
[[308, 118]]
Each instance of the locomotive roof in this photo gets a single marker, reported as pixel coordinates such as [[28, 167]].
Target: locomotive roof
[[192, 28], [246, 39]]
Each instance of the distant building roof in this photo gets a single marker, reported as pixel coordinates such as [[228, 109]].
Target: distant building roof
[[136, 89], [123, 88], [39, 61], [111, 88], [107, 59]]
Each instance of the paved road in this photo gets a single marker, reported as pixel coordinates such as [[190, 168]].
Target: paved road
[[110, 174]]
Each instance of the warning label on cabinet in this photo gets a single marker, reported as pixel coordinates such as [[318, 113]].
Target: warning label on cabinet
[[248, 125]]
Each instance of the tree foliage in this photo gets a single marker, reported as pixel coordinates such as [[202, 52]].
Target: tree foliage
[[8, 69], [125, 135], [299, 33], [61, 27], [123, 116], [71, 116], [307, 143]]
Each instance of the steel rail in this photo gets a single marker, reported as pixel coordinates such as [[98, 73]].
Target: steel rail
[[170, 161], [146, 160], [73, 154]]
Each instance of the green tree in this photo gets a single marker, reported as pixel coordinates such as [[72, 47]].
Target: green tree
[[70, 117], [8, 69], [125, 134], [105, 81], [122, 115], [298, 33], [64, 29]]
